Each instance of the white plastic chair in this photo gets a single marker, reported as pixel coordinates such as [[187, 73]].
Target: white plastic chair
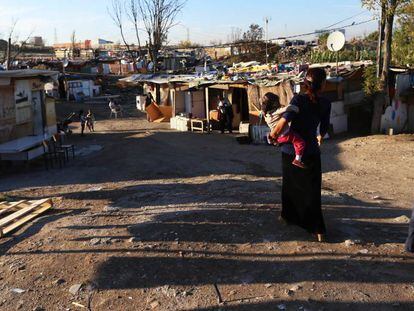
[[116, 111]]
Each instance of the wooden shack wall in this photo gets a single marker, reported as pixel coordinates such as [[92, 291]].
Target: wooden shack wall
[[255, 93], [7, 112], [16, 115]]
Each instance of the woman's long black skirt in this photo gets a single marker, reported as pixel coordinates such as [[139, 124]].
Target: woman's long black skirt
[[301, 193]]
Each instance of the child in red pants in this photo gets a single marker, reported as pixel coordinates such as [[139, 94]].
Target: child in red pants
[[273, 111]]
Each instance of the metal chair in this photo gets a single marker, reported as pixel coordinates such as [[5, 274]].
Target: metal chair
[[67, 148], [52, 154]]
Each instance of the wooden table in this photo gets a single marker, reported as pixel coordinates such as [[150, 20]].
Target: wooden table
[[23, 149]]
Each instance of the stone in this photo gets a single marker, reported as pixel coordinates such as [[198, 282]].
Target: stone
[[402, 220], [18, 290], [106, 241], [59, 281], [363, 251], [95, 241], [74, 289], [295, 288], [268, 285], [111, 209], [93, 189], [281, 307], [154, 304], [349, 243]]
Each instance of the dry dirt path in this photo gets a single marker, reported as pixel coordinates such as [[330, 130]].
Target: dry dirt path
[[154, 219]]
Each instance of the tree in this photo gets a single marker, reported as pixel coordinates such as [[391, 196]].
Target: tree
[[73, 44], [158, 17], [235, 35], [13, 47], [187, 44], [253, 34], [403, 43], [388, 9], [323, 41], [116, 12], [134, 17]]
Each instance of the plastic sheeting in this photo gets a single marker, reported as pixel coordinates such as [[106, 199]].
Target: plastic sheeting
[[282, 90]]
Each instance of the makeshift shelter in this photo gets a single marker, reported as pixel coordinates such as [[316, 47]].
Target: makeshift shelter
[[27, 115], [399, 116], [194, 98], [175, 97], [81, 87]]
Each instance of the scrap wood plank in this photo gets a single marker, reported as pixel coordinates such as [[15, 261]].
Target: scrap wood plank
[[14, 220], [5, 204], [11, 207], [44, 207]]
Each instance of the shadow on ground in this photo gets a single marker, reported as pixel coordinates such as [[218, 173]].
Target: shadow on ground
[[313, 305], [155, 154], [34, 227]]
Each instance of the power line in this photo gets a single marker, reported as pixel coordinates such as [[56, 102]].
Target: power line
[[331, 29], [346, 19], [292, 36]]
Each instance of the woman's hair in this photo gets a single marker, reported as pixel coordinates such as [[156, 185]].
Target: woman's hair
[[271, 103], [314, 81]]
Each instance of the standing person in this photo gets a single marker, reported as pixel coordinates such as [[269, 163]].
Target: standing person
[[112, 104], [148, 102], [90, 121], [301, 190], [225, 114], [82, 120]]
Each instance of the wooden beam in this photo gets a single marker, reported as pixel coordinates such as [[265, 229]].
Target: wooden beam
[[46, 205], [220, 86], [9, 219], [239, 86], [11, 207]]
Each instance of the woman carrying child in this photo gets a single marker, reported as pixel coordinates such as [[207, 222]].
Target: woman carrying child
[[301, 190]]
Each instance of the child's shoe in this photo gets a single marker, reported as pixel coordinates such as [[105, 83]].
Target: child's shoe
[[298, 163], [270, 140]]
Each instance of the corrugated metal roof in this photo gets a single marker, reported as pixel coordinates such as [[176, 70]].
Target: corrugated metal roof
[[27, 73]]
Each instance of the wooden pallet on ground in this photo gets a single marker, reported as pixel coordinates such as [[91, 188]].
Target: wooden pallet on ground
[[15, 214]]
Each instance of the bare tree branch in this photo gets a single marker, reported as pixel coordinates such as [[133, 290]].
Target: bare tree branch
[[158, 17], [14, 48], [116, 12], [133, 14]]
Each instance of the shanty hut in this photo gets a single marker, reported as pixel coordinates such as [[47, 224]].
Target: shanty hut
[[27, 115]]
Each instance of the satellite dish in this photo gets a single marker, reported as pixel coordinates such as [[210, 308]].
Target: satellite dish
[[65, 62], [336, 41]]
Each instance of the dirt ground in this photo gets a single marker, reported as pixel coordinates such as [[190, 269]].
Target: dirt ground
[[147, 218]]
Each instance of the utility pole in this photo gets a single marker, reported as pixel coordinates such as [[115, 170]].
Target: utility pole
[[56, 37], [381, 26], [8, 55], [267, 19]]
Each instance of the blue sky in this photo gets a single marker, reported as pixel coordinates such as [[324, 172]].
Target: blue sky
[[207, 20]]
